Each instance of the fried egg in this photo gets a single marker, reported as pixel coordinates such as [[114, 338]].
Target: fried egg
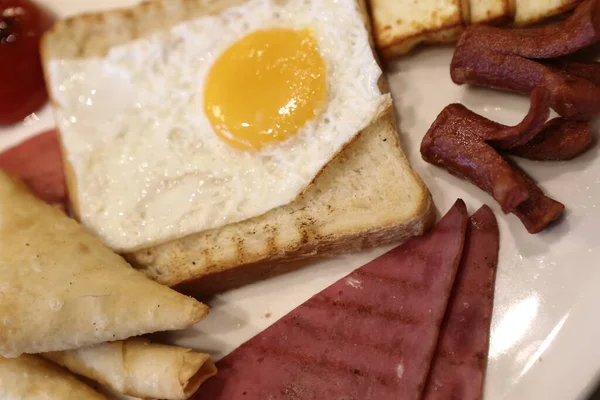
[[215, 120]]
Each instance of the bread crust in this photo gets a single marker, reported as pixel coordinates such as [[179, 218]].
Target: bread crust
[[307, 253], [170, 263]]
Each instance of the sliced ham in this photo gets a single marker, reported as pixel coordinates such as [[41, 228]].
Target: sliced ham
[[38, 162], [458, 368], [369, 336]]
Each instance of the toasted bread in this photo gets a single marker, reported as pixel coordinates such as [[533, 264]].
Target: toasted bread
[[530, 12], [367, 196], [492, 12], [400, 25]]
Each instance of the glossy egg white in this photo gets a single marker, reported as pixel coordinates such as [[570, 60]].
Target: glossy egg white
[[147, 163]]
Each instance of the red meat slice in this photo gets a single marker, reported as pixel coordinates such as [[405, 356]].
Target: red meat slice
[[38, 162], [369, 336], [458, 368]]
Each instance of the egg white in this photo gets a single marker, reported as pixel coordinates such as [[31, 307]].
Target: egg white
[[148, 166]]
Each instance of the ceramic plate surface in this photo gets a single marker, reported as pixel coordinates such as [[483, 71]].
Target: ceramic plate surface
[[545, 328]]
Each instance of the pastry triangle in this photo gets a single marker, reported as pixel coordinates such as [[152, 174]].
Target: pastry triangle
[[61, 288], [30, 378]]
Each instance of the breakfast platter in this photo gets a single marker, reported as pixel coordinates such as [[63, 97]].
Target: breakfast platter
[[543, 335]]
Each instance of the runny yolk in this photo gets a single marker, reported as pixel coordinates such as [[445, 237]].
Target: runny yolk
[[265, 87]]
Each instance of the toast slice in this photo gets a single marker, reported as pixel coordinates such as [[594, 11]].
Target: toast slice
[[530, 12], [367, 196], [492, 12], [400, 25]]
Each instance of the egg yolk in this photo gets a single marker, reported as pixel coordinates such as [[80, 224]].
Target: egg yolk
[[265, 87]]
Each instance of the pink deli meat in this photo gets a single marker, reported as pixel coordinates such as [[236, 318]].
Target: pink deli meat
[[369, 336], [458, 368], [38, 162]]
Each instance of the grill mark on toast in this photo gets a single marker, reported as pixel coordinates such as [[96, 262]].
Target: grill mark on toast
[[240, 247], [207, 253], [306, 228], [270, 232]]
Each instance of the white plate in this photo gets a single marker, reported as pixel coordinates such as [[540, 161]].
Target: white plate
[[545, 326]]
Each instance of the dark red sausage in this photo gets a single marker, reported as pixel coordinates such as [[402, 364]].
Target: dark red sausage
[[570, 96], [452, 142], [561, 139], [579, 31], [455, 142], [539, 210]]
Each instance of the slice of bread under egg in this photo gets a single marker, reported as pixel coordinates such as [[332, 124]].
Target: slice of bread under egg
[[367, 196]]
